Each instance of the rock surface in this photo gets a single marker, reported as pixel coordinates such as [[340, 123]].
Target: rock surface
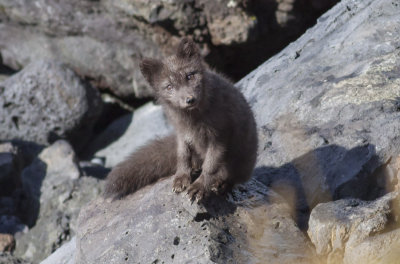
[[328, 107], [220, 232], [47, 101], [7, 258], [336, 228], [128, 133], [382, 248], [54, 194], [64, 255]]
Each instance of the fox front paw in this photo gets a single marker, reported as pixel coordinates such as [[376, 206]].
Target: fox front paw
[[181, 182], [196, 192]]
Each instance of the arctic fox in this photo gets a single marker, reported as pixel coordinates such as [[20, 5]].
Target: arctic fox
[[215, 131]]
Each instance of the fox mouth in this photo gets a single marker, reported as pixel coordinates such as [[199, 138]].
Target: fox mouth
[[190, 107]]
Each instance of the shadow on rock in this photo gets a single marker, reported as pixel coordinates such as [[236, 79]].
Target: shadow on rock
[[29, 195], [324, 174]]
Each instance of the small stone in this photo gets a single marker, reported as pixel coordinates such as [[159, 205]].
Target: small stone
[[7, 243]]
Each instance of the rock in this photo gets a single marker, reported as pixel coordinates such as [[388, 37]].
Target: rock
[[271, 233], [113, 36], [54, 165], [128, 133], [52, 183], [64, 255], [246, 229], [10, 259], [10, 168], [7, 243], [336, 228], [47, 101], [382, 248], [328, 110]]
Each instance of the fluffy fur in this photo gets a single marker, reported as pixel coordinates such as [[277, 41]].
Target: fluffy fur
[[215, 130]]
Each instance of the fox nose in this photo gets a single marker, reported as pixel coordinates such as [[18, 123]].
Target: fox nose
[[190, 100]]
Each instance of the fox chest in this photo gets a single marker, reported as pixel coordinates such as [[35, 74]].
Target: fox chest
[[198, 138]]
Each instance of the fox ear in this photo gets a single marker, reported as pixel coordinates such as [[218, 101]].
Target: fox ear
[[187, 49], [149, 68]]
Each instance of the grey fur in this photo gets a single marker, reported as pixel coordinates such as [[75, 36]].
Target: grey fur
[[215, 130]]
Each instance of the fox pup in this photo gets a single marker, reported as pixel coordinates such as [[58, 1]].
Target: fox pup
[[215, 131]]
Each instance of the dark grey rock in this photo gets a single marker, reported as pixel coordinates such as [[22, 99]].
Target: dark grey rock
[[327, 106], [336, 228], [55, 194], [47, 101]]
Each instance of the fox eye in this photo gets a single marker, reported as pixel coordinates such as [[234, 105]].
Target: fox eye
[[190, 76], [169, 87]]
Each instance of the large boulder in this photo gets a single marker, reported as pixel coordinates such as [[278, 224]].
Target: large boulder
[[47, 101], [156, 225], [327, 106]]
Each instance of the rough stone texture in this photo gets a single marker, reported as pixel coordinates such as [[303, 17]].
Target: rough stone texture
[[52, 184], [221, 232], [63, 255], [7, 258], [382, 248], [47, 101], [7, 243], [340, 226], [129, 132], [327, 106], [104, 40]]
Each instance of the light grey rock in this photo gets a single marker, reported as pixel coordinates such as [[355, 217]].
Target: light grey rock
[[7, 258], [64, 255], [157, 225], [327, 106], [54, 165], [129, 132], [340, 226], [47, 101], [55, 194]]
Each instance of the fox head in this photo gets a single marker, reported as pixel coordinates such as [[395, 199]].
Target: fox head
[[177, 80]]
